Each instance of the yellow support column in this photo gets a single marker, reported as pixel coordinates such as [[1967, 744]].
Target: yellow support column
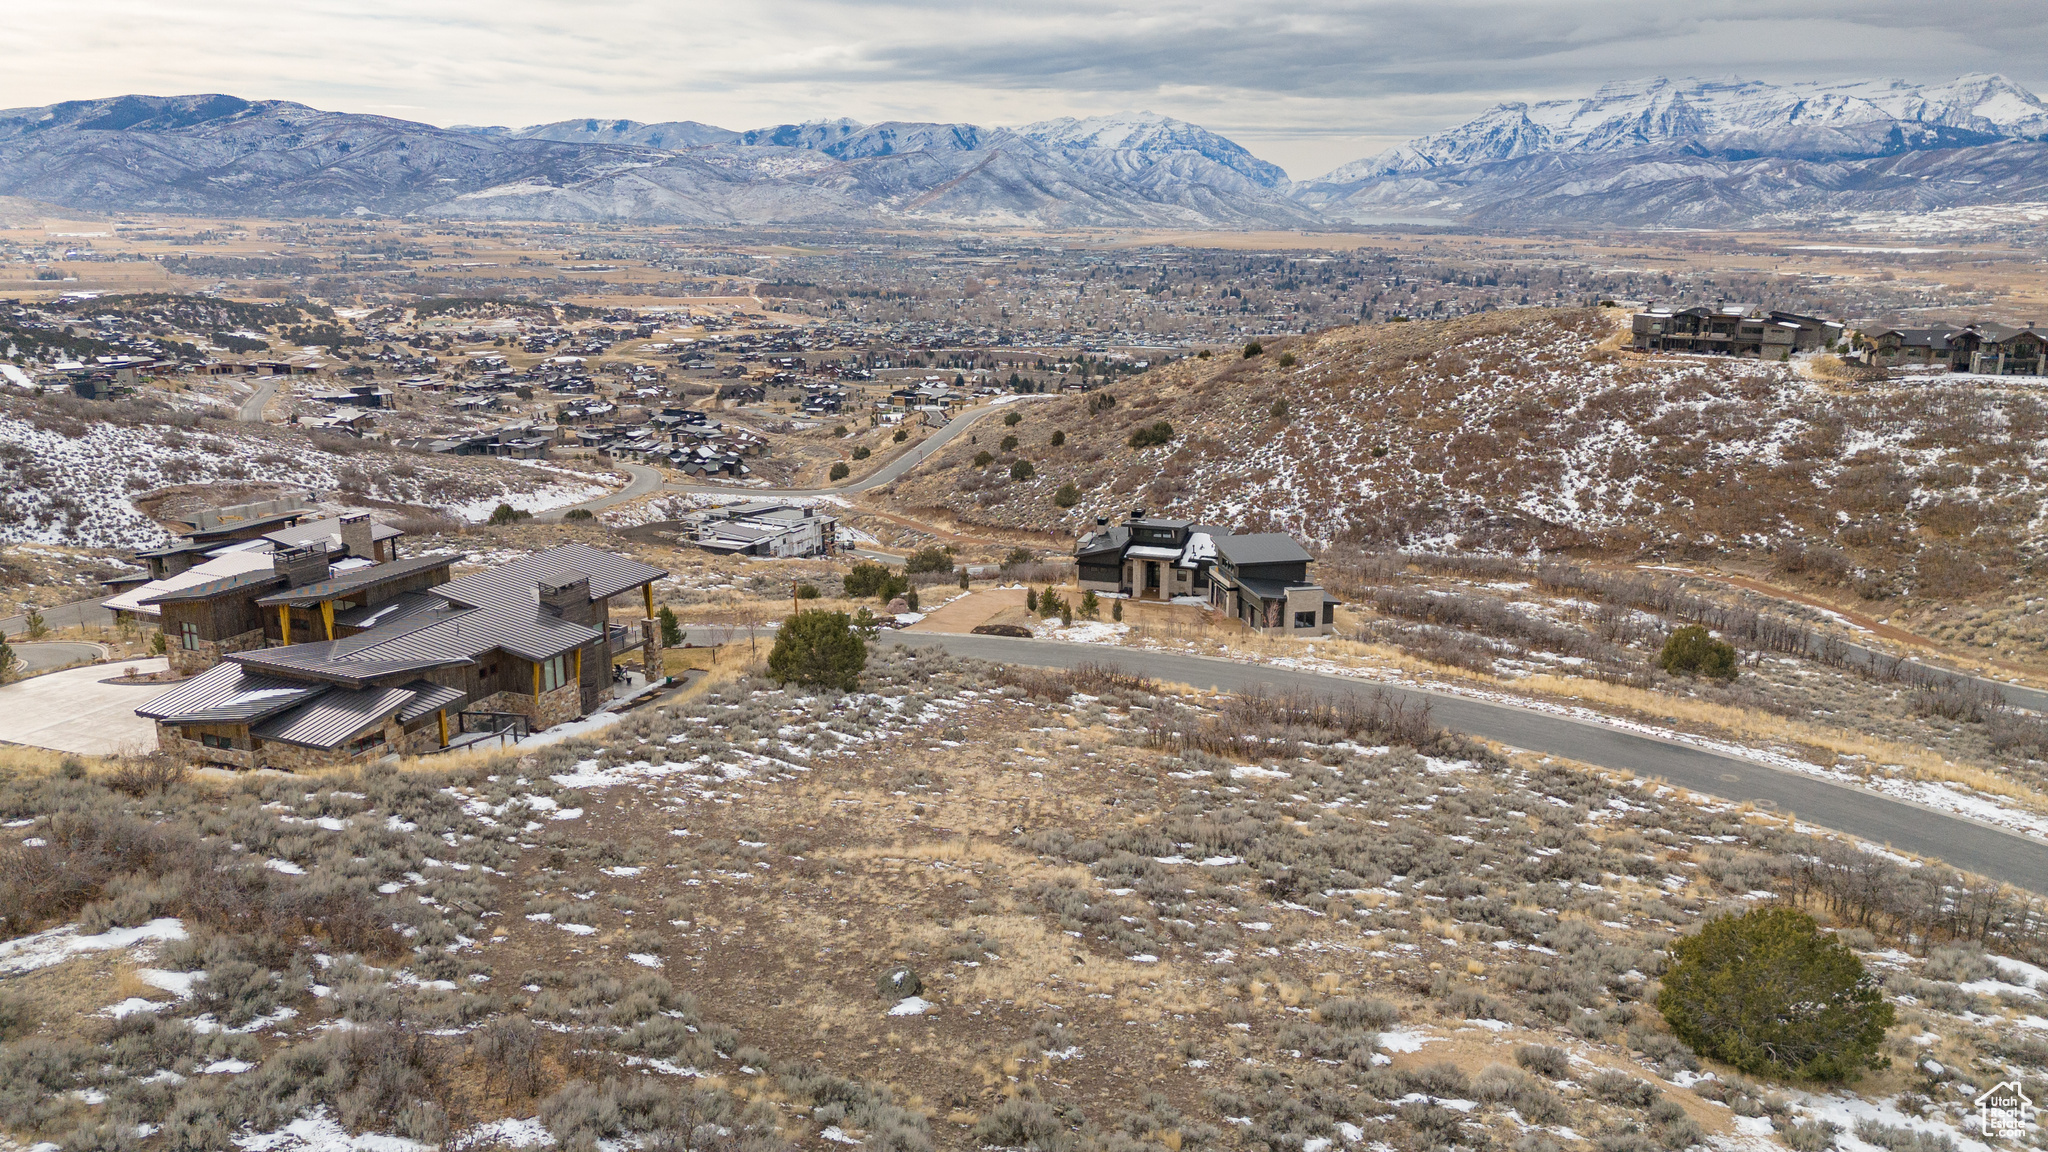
[[647, 590], [536, 680], [284, 623], [444, 727], [327, 617], [579, 665]]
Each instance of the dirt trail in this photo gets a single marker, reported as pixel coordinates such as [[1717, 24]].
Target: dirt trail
[[960, 616]]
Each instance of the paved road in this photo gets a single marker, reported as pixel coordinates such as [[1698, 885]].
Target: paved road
[[645, 480], [38, 656], [252, 408], [887, 473], [1979, 848], [76, 614], [2016, 695]]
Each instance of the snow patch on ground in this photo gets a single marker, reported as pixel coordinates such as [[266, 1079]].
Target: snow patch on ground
[[56, 945]]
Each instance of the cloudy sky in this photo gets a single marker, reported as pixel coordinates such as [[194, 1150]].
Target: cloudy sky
[[1308, 84]]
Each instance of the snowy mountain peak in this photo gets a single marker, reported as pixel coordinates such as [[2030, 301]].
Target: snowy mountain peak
[[1731, 118], [1155, 138]]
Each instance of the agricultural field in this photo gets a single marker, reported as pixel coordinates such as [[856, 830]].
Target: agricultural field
[[962, 907]]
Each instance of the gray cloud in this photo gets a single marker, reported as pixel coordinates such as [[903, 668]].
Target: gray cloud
[[1307, 83]]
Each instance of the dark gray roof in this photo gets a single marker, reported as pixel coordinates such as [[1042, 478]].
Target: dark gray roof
[[429, 697], [329, 529], [1270, 589], [404, 607], [239, 582], [321, 661], [460, 635], [340, 713], [229, 528], [354, 580], [227, 694], [519, 581], [1113, 539], [1262, 548], [336, 715]]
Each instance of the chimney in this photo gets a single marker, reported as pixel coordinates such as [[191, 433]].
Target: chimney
[[356, 539], [300, 566], [1102, 521], [1137, 513], [566, 598]]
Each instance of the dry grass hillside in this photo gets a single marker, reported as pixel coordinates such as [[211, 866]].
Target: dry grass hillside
[[1132, 920], [1525, 429]]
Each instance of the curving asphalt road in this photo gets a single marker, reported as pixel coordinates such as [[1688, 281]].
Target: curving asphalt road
[[1967, 844], [2015, 695], [1976, 847], [41, 656], [645, 481], [251, 411], [76, 614], [887, 473]]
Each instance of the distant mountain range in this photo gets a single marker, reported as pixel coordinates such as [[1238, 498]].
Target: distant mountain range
[[1681, 152], [1711, 152]]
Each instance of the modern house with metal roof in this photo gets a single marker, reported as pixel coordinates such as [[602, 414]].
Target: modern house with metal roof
[[363, 664], [301, 592], [1731, 330], [1261, 578], [1986, 349], [1148, 558], [212, 534]]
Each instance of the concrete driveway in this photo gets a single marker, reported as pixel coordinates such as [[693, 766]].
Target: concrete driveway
[[71, 711]]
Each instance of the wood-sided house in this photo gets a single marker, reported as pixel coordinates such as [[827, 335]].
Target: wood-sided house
[[530, 638], [1987, 349]]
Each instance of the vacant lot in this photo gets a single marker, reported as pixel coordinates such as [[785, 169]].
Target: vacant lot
[[963, 907]]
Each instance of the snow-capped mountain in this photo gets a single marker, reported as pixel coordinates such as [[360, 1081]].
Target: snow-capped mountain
[[1710, 152], [1734, 119], [221, 154], [1697, 152], [1152, 137], [669, 135]]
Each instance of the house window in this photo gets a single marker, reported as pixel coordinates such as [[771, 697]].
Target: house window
[[365, 743], [1304, 619], [211, 741], [188, 636], [554, 672]]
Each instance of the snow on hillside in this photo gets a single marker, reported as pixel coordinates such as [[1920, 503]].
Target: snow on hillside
[[72, 482], [1519, 429]]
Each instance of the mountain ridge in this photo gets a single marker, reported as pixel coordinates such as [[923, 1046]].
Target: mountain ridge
[[1657, 151]]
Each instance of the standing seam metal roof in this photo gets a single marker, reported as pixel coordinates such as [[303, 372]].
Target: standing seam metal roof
[[227, 694], [338, 714], [339, 586], [519, 581]]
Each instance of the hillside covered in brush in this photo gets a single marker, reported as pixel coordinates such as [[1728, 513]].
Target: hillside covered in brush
[[1526, 429]]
